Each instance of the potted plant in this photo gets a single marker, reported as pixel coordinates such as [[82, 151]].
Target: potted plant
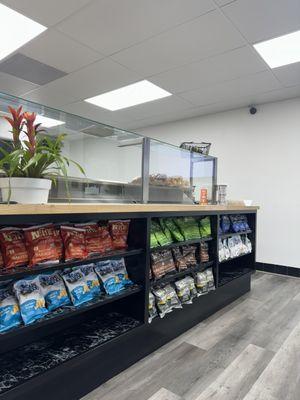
[[31, 165]]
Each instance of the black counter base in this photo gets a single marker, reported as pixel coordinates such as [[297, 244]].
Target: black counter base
[[76, 377]]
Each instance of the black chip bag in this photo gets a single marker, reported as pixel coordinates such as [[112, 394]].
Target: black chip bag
[[179, 260], [189, 255]]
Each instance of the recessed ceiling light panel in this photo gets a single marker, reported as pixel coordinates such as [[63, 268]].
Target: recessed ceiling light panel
[[16, 30], [47, 122], [280, 51], [128, 96]]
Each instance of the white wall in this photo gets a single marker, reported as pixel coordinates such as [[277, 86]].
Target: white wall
[[259, 159]]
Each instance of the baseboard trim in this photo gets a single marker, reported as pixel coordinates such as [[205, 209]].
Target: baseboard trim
[[278, 269]]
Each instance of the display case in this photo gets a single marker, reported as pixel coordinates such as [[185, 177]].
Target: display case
[[120, 166]]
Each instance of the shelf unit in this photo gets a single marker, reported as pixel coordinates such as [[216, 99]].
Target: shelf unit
[[127, 346], [230, 234], [185, 243]]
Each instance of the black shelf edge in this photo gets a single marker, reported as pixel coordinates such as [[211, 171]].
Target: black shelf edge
[[247, 271], [227, 235], [185, 243], [174, 276], [71, 311], [19, 272], [234, 258]]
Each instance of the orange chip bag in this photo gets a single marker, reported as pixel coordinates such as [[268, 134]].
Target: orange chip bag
[[58, 242], [1, 261], [119, 233], [74, 242], [13, 247], [92, 237], [105, 238], [40, 244]]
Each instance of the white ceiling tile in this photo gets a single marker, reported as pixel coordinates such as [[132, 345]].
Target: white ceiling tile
[[14, 86], [227, 66], [46, 12], [289, 75], [111, 25], [49, 96], [259, 20], [222, 3], [206, 36], [59, 51], [97, 78], [250, 85]]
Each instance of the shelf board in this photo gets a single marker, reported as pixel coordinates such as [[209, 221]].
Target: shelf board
[[238, 275], [176, 275], [19, 272], [185, 243], [227, 235], [70, 311], [234, 258]]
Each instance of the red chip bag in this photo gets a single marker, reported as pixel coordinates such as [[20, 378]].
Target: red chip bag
[[58, 242], [92, 238], [1, 261], [13, 247], [119, 233], [74, 242], [40, 244], [106, 242]]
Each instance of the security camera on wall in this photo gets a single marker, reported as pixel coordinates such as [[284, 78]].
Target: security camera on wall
[[252, 110]]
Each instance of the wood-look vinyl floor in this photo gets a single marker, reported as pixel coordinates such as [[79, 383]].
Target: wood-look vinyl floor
[[249, 350]]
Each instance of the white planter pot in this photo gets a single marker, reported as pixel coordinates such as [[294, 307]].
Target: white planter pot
[[25, 190]]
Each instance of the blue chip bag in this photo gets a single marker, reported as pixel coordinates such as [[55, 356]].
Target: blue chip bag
[[54, 290], [10, 315], [77, 286], [91, 279], [31, 299], [121, 271], [110, 280]]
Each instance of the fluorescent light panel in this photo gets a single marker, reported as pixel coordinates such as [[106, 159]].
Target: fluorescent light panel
[[128, 96], [48, 122], [280, 51], [16, 30]]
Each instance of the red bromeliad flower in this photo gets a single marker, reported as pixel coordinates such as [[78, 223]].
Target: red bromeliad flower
[[16, 123], [31, 130]]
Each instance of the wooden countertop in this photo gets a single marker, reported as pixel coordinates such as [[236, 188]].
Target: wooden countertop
[[65, 208]]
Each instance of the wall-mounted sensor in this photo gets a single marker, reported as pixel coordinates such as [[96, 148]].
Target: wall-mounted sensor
[[252, 110]]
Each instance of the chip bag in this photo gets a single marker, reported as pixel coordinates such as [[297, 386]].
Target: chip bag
[[188, 227], [74, 242], [40, 244], [119, 233], [13, 247], [121, 271], [105, 238], [54, 290], [92, 238], [152, 311], [91, 279], [77, 286], [205, 227], [109, 278], [10, 315], [31, 299], [58, 241]]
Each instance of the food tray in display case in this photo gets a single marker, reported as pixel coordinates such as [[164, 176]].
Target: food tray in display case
[[120, 166]]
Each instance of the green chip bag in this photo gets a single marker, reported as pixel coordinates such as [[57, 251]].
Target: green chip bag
[[165, 230], [188, 227], [159, 234], [173, 229], [205, 227]]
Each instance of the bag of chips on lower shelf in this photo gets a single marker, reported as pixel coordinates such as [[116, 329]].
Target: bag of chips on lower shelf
[[183, 291], [248, 244], [179, 259], [91, 279], [120, 270], [172, 297], [31, 299], [54, 290], [77, 286], [210, 279], [191, 283], [108, 277], [161, 298], [10, 315], [152, 311], [162, 263], [204, 255], [201, 283], [189, 255]]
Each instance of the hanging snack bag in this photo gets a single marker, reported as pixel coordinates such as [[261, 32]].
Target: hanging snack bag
[[172, 297], [54, 290], [77, 286], [40, 244], [31, 299], [159, 234], [210, 279], [13, 247], [74, 242], [58, 242], [173, 229], [10, 315], [248, 244], [152, 311], [110, 280], [162, 263], [188, 227], [119, 233], [92, 238], [189, 255], [106, 244], [121, 271], [201, 283], [91, 279], [179, 260], [205, 227], [183, 291], [162, 303]]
